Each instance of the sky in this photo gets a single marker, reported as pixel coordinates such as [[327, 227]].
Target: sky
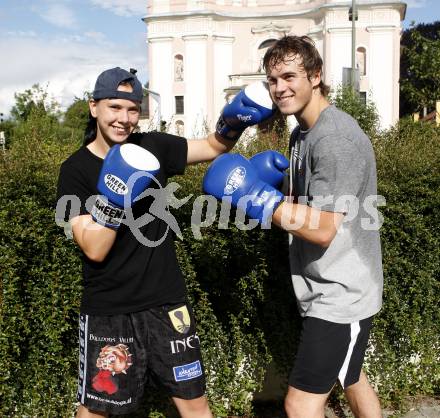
[[64, 44]]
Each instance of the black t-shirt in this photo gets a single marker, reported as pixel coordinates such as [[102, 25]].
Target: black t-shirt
[[133, 276]]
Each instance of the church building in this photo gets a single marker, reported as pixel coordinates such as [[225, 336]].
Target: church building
[[202, 52]]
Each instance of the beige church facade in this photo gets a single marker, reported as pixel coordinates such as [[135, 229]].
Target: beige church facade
[[201, 52]]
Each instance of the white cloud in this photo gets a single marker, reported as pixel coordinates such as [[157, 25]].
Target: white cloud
[[96, 36], [59, 15], [416, 4], [22, 33], [123, 7], [70, 66]]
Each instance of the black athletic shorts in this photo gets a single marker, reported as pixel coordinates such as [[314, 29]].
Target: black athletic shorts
[[121, 354], [327, 352]]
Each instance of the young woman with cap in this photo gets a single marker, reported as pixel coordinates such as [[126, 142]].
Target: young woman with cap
[[136, 325]]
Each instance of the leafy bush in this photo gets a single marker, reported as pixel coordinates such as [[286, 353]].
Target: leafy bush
[[40, 279], [405, 356], [77, 114], [228, 271]]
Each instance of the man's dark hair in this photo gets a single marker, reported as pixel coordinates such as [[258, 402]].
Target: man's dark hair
[[291, 46]]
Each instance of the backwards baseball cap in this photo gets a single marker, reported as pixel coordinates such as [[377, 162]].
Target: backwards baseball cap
[[107, 84]]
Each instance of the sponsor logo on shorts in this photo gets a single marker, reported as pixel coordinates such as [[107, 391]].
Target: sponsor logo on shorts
[[187, 371], [111, 362], [180, 319], [111, 401], [190, 342]]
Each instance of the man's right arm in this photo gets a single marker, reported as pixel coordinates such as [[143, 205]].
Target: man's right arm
[[235, 176], [308, 223]]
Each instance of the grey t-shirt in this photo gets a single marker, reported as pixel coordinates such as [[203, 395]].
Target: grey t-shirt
[[333, 168]]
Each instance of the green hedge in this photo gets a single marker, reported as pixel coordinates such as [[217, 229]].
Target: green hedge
[[407, 333], [40, 279], [238, 281]]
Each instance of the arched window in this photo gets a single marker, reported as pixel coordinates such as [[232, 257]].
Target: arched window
[[180, 128], [178, 67], [361, 60], [264, 46]]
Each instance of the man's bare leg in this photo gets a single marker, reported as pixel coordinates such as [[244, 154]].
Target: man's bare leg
[[363, 400], [83, 412], [193, 408], [300, 404]]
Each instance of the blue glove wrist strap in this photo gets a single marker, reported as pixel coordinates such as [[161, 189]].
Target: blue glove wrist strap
[[225, 131], [106, 214]]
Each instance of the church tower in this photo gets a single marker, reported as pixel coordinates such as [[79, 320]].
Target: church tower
[[201, 52]]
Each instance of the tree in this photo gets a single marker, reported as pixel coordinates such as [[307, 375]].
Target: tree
[[346, 99], [36, 97], [77, 114], [420, 68]]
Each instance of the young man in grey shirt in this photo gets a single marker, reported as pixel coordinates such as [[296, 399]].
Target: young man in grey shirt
[[330, 214], [335, 252]]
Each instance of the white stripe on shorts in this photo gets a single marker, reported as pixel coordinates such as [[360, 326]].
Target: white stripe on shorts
[[354, 332], [83, 334]]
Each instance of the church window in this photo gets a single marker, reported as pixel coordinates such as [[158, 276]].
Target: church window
[[179, 105], [361, 60], [180, 128], [178, 67]]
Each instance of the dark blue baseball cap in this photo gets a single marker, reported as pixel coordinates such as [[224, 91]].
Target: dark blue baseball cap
[[107, 84]]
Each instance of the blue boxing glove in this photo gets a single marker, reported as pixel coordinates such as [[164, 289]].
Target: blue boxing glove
[[233, 175], [271, 167], [126, 172], [250, 106]]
